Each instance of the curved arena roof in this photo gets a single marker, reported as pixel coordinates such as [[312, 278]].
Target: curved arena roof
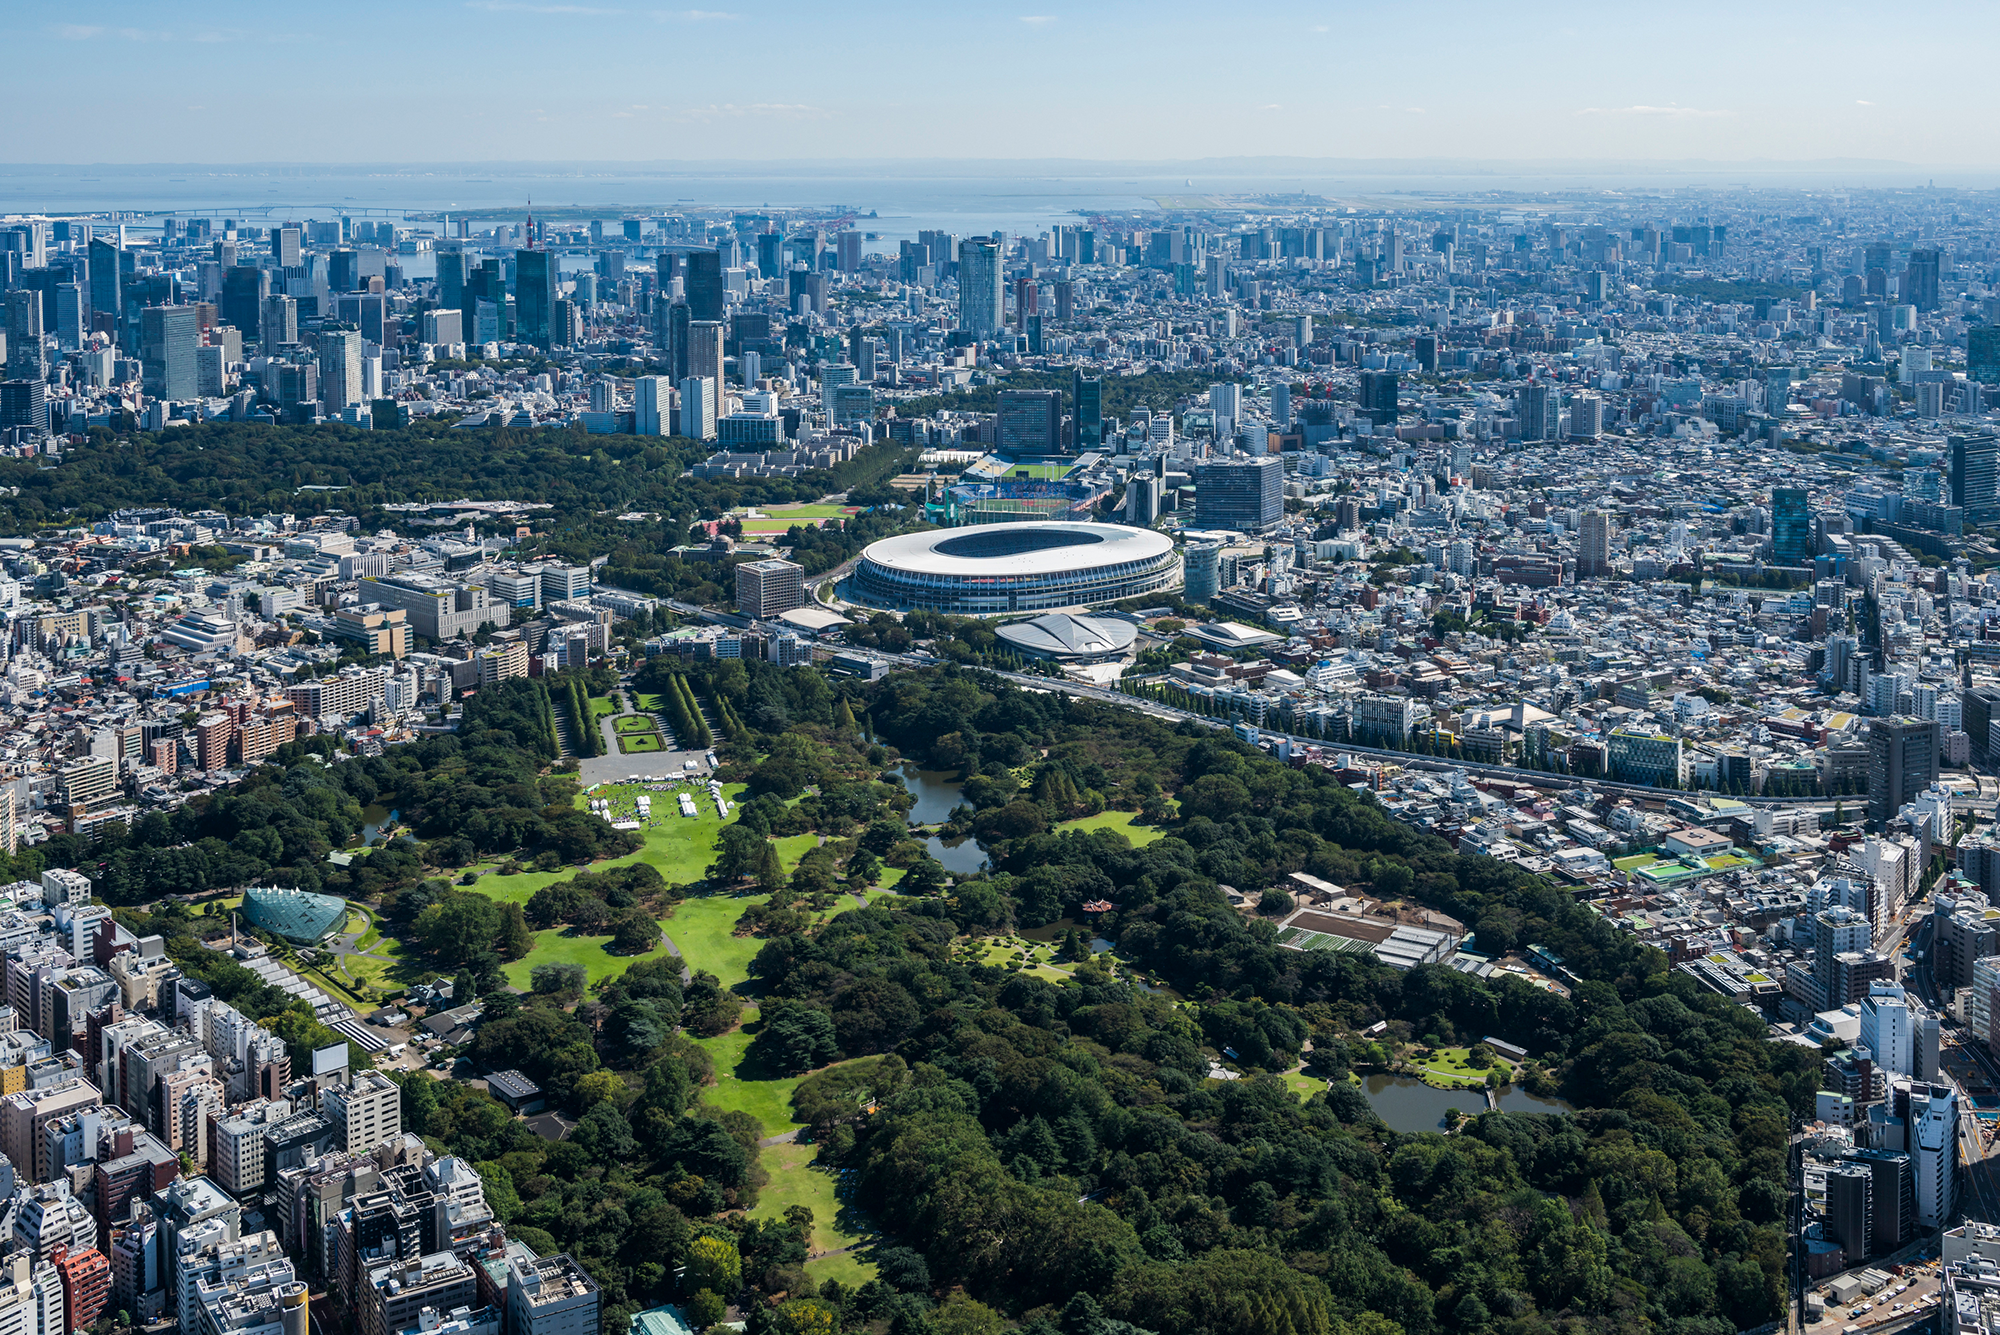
[[1060, 635], [997, 551], [1031, 567]]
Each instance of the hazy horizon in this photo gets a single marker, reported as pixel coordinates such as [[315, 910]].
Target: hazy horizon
[[505, 80]]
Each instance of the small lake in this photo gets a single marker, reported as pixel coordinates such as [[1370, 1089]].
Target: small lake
[[1412, 1105], [375, 820], [937, 792]]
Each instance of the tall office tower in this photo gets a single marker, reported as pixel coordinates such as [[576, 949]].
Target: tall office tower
[[1848, 1211], [1088, 410], [168, 336], [1593, 545], [451, 279], [704, 284], [535, 297], [1142, 499], [343, 270], [770, 254], [652, 406], [1065, 291], [1586, 416], [1027, 300], [243, 291], [705, 350], [698, 408], [24, 403], [1933, 1132], [849, 248], [1888, 1028], [1245, 493], [1902, 762], [982, 305], [1216, 285], [1377, 397], [769, 588], [27, 359], [107, 278], [1920, 280], [278, 324], [1982, 354], [72, 315], [1201, 567], [1538, 407], [1791, 526], [488, 284], [675, 324], [1837, 930], [1030, 421], [1975, 467], [340, 369], [1281, 406], [285, 248]]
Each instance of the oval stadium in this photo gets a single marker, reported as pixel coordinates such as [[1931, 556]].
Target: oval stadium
[[990, 569]]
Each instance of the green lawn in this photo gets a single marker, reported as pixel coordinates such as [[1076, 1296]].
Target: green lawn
[[632, 744], [647, 703], [555, 946], [811, 511], [1636, 860], [742, 1086], [600, 705], [632, 723], [705, 928], [1305, 1086], [796, 1180], [1451, 1064], [1121, 821], [679, 848]]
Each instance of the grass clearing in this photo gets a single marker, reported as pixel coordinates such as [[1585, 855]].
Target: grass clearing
[[601, 705], [1120, 821], [796, 1180], [743, 1086], [632, 723], [705, 930], [556, 946], [632, 744]]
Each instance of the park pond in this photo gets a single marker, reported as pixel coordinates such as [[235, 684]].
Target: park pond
[[937, 792], [1412, 1105]]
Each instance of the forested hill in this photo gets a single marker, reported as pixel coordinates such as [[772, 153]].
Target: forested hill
[[1059, 1151], [245, 468]]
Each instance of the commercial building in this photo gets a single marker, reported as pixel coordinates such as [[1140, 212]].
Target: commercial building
[[1245, 494], [437, 609], [982, 302], [365, 1113], [1903, 757], [550, 1295], [1030, 421], [766, 588]]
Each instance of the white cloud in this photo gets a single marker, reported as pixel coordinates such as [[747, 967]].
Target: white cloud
[[1670, 111], [1037, 20], [696, 15], [1860, 103], [1321, 27]]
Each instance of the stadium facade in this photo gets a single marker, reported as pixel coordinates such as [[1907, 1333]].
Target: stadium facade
[[998, 568]]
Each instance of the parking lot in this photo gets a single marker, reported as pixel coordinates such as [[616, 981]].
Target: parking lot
[[1913, 1293]]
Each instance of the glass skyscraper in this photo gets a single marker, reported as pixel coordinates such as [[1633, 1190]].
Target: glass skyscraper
[[1791, 527], [982, 307]]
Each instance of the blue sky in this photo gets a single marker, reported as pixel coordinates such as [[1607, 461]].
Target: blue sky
[[458, 80]]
